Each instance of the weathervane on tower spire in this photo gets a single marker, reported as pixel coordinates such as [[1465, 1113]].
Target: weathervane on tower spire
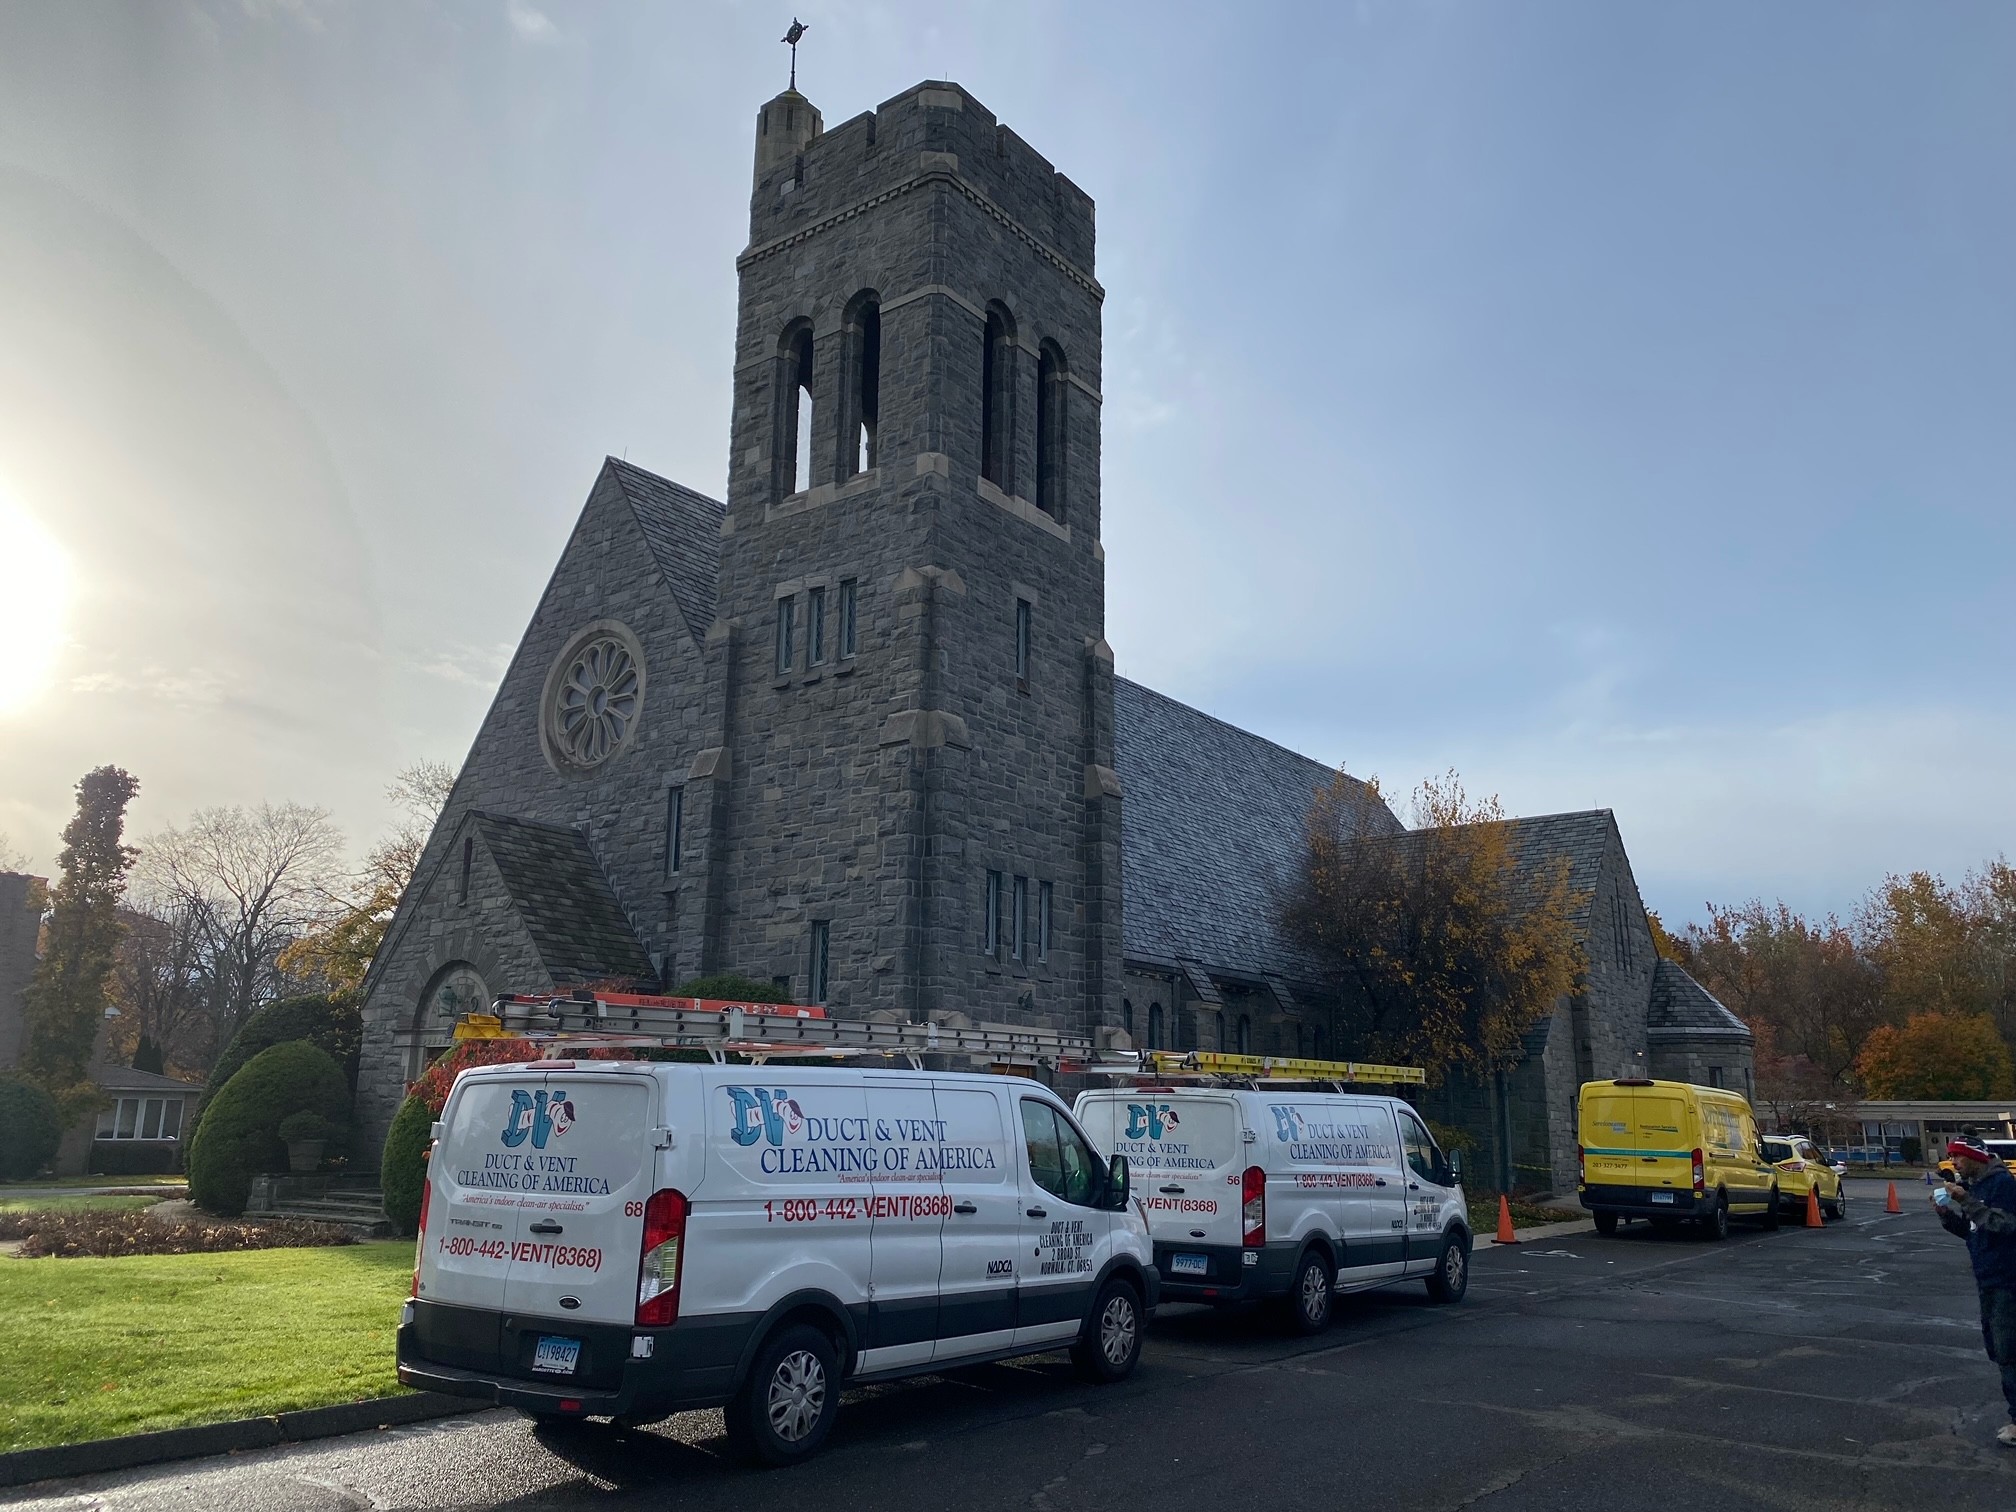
[[797, 31]]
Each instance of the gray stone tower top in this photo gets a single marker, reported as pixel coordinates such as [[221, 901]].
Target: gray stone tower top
[[908, 796]]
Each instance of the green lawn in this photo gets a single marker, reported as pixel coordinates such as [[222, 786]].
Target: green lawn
[[94, 1348], [8, 1188], [13, 1203]]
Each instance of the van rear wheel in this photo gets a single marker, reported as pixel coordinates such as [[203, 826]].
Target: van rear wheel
[[1716, 1224], [1110, 1343], [786, 1407], [1310, 1297], [1606, 1224]]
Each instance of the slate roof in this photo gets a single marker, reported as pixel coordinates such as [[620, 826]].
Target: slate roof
[[128, 1079], [1212, 824], [1681, 1005], [564, 900], [683, 529]]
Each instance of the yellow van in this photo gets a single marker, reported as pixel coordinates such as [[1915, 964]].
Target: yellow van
[[1670, 1151]]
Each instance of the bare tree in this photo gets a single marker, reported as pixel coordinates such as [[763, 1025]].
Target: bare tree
[[254, 881], [11, 860], [161, 983]]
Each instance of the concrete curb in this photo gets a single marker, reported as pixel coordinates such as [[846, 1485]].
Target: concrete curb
[[1543, 1231], [61, 1461]]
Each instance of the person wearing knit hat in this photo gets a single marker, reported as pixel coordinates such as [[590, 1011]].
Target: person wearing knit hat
[[1980, 1207]]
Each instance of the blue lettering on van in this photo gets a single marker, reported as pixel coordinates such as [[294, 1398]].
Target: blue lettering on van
[[538, 1116]]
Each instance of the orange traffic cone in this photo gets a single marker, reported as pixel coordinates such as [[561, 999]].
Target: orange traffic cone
[[1813, 1208], [1893, 1205], [1505, 1234]]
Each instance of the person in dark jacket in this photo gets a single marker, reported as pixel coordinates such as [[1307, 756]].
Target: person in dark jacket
[[1981, 1208]]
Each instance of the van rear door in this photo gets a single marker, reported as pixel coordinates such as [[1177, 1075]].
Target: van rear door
[[1665, 1138], [579, 1142], [472, 1202], [1185, 1151]]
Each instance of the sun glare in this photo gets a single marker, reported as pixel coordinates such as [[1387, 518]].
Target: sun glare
[[34, 606]]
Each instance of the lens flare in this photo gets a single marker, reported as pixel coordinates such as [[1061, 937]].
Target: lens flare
[[35, 594]]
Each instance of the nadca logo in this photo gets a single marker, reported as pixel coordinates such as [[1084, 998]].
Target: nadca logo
[[539, 1116], [1150, 1120], [766, 1113]]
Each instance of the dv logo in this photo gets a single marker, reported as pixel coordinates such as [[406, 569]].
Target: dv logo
[[767, 1113], [539, 1116], [1000, 1267], [1149, 1120], [1287, 1123]]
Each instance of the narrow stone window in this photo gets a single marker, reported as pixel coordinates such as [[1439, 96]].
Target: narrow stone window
[[847, 636], [1043, 898], [793, 446], [815, 627], [1298, 1041], [1218, 1020], [1025, 628], [822, 930], [1154, 1026], [1318, 1052], [1127, 1016], [787, 635], [1245, 1035], [863, 393], [1714, 1076], [1051, 390], [994, 914], [997, 401], [1018, 940], [468, 856], [675, 830]]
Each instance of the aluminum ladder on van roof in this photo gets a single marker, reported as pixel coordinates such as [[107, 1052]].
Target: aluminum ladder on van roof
[[767, 1031]]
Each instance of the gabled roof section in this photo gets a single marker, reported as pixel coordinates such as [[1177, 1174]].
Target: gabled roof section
[[1579, 838], [683, 529], [132, 1079], [1682, 1006], [1213, 821], [564, 900]]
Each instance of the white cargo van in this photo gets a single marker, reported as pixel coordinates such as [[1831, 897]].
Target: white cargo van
[[1286, 1194], [631, 1239]]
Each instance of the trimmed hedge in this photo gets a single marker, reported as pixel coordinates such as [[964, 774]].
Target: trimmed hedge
[[240, 1138], [332, 1023], [135, 1157], [403, 1169], [71, 1235], [31, 1127]]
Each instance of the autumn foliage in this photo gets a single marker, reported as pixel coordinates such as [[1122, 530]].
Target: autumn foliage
[[1441, 947], [1938, 1055]]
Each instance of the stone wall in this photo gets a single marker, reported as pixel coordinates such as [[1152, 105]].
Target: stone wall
[[1706, 1059]]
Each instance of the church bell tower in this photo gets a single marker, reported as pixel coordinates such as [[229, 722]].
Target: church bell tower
[[909, 805]]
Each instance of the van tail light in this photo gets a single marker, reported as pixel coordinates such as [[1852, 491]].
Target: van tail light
[[658, 1266], [420, 1243], [1581, 1165], [1700, 1177], [1253, 1207]]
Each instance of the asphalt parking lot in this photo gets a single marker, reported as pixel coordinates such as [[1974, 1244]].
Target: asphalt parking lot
[[1785, 1371]]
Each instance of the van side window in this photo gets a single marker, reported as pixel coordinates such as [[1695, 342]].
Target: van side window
[[1420, 1148], [1060, 1161]]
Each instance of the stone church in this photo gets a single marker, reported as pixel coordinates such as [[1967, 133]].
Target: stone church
[[858, 729]]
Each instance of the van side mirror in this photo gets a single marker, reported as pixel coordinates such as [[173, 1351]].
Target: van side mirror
[[1117, 1190], [1453, 1162]]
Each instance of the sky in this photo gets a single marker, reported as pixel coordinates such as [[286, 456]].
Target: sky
[[1615, 404]]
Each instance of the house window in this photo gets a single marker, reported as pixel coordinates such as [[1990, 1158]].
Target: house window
[[171, 1118], [787, 635], [1018, 940], [1043, 896], [815, 626], [816, 972], [994, 913], [847, 641], [141, 1118], [675, 829], [1025, 615]]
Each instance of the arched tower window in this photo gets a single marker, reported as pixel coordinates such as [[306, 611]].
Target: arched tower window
[[1052, 386], [1155, 1026], [793, 451], [1245, 1035], [862, 387], [997, 400]]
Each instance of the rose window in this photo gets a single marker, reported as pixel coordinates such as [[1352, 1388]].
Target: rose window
[[595, 705]]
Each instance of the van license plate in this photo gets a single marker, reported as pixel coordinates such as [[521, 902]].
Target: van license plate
[[1662, 1196], [1190, 1265], [557, 1356]]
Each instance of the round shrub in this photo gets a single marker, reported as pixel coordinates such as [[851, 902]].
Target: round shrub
[[240, 1135], [30, 1128], [305, 1127], [330, 1022], [403, 1170]]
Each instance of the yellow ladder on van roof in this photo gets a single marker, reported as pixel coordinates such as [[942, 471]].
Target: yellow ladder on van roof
[[1278, 1068]]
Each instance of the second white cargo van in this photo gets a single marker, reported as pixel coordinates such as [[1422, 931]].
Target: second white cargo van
[[1291, 1195], [629, 1239]]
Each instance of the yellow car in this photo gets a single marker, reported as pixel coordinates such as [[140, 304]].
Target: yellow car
[[1802, 1169]]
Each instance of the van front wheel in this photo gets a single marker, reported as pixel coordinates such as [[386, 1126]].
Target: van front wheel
[[1110, 1344], [786, 1408], [1451, 1278]]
